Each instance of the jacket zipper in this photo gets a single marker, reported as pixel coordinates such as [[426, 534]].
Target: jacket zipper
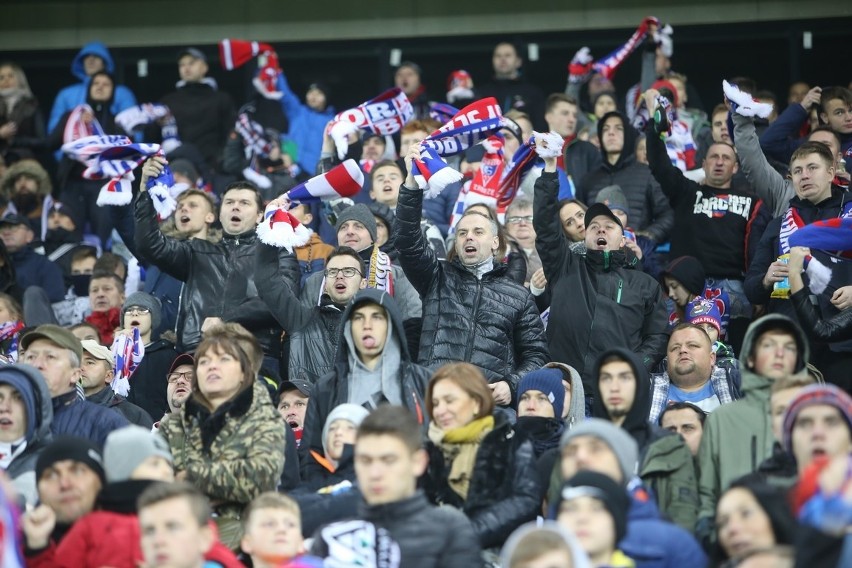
[[469, 350], [620, 286]]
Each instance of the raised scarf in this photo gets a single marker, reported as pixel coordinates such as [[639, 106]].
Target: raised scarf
[[382, 115], [11, 329], [76, 127], [459, 447], [380, 273], [127, 353]]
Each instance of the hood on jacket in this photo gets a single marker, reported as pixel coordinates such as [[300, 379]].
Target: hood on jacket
[[636, 421], [30, 168], [91, 48], [758, 327], [395, 328], [579, 559], [577, 407], [43, 403], [628, 150]]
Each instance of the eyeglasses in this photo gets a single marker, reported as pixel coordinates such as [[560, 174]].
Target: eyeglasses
[[137, 310], [518, 220], [186, 375], [347, 272]]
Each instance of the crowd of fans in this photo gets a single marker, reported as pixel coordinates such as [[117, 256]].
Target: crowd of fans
[[631, 362]]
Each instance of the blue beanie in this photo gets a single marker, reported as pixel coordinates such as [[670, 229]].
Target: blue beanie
[[16, 379], [548, 381]]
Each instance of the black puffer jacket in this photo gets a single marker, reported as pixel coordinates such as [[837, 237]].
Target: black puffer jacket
[[313, 330], [218, 277], [504, 489], [599, 301], [649, 208], [428, 537], [333, 389], [492, 323]]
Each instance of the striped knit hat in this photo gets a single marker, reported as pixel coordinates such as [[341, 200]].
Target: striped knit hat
[[811, 395]]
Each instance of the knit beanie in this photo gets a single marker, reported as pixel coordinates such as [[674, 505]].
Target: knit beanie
[[351, 412], [704, 311], [11, 375], [613, 197], [688, 271], [128, 447], [620, 442], [144, 300], [384, 213], [816, 394], [548, 381], [604, 489], [70, 448], [361, 213]]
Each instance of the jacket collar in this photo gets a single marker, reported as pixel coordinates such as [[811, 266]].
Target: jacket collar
[[408, 507]]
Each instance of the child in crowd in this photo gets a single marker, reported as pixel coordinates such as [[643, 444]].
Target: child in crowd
[[272, 531]]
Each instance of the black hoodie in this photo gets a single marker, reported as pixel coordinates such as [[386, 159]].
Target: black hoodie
[[333, 389], [636, 421], [649, 208]]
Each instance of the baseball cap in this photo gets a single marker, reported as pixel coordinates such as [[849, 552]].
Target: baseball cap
[[182, 359], [15, 220], [193, 52], [58, 335], [300, 385], [598, 209], [98, 351]]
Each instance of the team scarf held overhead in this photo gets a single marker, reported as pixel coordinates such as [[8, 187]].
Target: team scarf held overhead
[[470, 126], [234, 53], [127, 352], [384, 115], [11, 330], [111, 156], [582, 65], [279, 228], [257, 146], [76, 127], [132, 118]]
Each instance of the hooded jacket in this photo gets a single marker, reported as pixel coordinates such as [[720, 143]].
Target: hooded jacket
[[313, 330], [665, 462], [738, 436], [649, 208], [218, 279], [74, 95], [335, 387], [599, 299], [21, 470], [306, 125], [491, 322]]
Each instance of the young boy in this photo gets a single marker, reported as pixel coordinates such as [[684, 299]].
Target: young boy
[[706, 315], [272, 530], [174, 527], [594, 507]]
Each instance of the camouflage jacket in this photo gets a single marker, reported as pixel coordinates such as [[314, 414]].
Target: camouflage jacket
[[233, 454]]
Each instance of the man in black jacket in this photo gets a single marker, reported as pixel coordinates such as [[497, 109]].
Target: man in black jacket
[[372, 366], [650, 213], [204, 114], [817, 198], [388, 460], [472, 312], [599, 300], [313, 330], [218, 277], [97, 372]]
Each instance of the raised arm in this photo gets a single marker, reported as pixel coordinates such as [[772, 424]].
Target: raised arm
[[781, 138], [671, 179], [275, 286], [768, 184], [550, 242], [416, 257], [169, 255]]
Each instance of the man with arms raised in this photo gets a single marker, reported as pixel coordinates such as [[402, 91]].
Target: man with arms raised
[[472, 311]]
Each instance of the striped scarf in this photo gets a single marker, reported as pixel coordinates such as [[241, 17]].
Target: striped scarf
[[128, 352], [383, 115], [77, 128], [380, 271], [11, 330]]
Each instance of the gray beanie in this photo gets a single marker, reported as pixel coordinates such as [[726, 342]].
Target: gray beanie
[[128, 447], [613, 197], [144, 300], [351, 412], [361, 213], [620, 442]]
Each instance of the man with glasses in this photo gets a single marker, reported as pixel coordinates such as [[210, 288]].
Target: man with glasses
[[57, 354], [312, 329], [180, 379], [519, 225], [143, 311]]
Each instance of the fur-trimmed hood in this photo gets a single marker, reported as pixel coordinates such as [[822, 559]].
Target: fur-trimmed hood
[[25, 167]]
